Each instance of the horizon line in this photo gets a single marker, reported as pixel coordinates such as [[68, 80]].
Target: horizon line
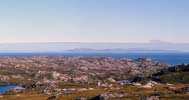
[[96, 42]]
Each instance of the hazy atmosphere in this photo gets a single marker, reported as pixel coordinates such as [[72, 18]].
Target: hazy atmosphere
[[124, 21], [94, 50]]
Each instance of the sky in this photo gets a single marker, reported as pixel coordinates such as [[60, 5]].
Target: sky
[[121, 21]]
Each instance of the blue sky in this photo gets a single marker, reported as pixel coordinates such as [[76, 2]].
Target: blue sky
[[94, 20]]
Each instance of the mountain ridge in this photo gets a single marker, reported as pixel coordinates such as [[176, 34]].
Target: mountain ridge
[[66, 46]]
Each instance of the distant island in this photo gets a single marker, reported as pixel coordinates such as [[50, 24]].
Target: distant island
[[61, 47], [119, 50]]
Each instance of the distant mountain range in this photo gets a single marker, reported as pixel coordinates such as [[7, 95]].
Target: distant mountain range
[[73, 47], [133, 50]]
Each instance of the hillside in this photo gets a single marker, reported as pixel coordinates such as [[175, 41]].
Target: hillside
[[176, 74], [92, 78]]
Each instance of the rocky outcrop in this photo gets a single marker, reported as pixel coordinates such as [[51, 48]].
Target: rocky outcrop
[[76, 69], [152, 98], [104, 97], [52, 98]]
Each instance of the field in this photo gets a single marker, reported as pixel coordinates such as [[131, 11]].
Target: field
[[165, 92]]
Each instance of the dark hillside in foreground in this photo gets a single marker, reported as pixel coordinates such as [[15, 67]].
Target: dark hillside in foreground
[[176, 74]]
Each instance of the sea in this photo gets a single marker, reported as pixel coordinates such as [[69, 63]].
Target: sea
[[6, 88], [168, 58]]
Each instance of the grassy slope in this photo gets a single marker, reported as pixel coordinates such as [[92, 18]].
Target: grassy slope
[[134, 93], [177, 77]]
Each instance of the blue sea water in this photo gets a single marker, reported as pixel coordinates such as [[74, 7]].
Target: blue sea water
[[7, 88], [169, 58]]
